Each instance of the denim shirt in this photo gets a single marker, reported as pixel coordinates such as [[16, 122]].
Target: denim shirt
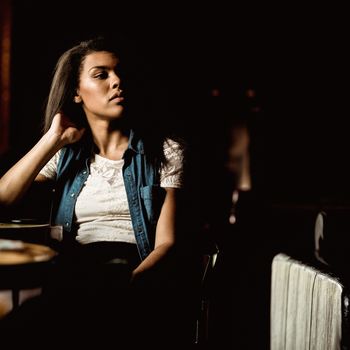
[[142, 184]]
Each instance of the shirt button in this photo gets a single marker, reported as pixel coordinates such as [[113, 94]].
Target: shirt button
[[72, 194], [67, 224], [84, 172]]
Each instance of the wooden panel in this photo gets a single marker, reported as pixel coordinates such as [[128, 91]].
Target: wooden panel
[[5, 50], [306, 307]]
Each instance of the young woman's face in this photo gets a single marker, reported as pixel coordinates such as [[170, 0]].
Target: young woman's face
[[99, 87]]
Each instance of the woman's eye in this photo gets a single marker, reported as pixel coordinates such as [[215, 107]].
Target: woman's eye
[[102, 75]]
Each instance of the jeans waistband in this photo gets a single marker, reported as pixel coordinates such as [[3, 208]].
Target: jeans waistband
[[71, 251]]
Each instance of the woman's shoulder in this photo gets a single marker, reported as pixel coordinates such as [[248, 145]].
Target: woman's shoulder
[[174, 148]]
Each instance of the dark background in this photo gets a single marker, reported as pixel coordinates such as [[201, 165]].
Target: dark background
[[294, 58]]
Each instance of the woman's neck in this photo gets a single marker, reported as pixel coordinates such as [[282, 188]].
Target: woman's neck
[[111, 142]]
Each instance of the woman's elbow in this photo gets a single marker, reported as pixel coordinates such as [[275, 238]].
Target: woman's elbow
[[7, 199]]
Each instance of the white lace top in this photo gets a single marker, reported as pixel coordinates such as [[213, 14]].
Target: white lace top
[[102, 211]]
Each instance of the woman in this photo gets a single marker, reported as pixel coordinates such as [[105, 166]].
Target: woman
[[115, 187]]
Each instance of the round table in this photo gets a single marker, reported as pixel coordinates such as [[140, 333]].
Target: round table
[[26, 231], [23, 266]]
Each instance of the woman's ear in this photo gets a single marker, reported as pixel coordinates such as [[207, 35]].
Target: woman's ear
[[77, 99]]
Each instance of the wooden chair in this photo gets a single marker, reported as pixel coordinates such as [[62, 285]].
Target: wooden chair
[[310, 294]]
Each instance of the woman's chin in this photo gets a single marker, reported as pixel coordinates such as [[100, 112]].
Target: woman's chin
[[118, 114]]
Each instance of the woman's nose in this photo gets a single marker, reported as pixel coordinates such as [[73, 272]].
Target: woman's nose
[[115, 85], [115, 82]]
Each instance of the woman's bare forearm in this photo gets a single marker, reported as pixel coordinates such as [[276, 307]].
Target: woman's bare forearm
[[15, 183], [17, 180], [156, 257]]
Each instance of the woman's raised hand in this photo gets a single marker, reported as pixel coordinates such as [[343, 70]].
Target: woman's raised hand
[[64, 130]]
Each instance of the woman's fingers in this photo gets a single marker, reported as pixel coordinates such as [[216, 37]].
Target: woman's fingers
[[65, 129]]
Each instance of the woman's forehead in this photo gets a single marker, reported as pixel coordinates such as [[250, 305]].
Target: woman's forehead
[[100, 59]]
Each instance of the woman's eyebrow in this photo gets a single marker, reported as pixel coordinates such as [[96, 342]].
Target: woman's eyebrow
[[98, 67]]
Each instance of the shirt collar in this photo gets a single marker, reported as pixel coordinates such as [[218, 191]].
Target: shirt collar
[[135, 143]]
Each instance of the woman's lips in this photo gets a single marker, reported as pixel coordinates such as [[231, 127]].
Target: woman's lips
[[117, 99]]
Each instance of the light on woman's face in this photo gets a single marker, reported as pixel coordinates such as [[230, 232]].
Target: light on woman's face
[[100, 86]]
